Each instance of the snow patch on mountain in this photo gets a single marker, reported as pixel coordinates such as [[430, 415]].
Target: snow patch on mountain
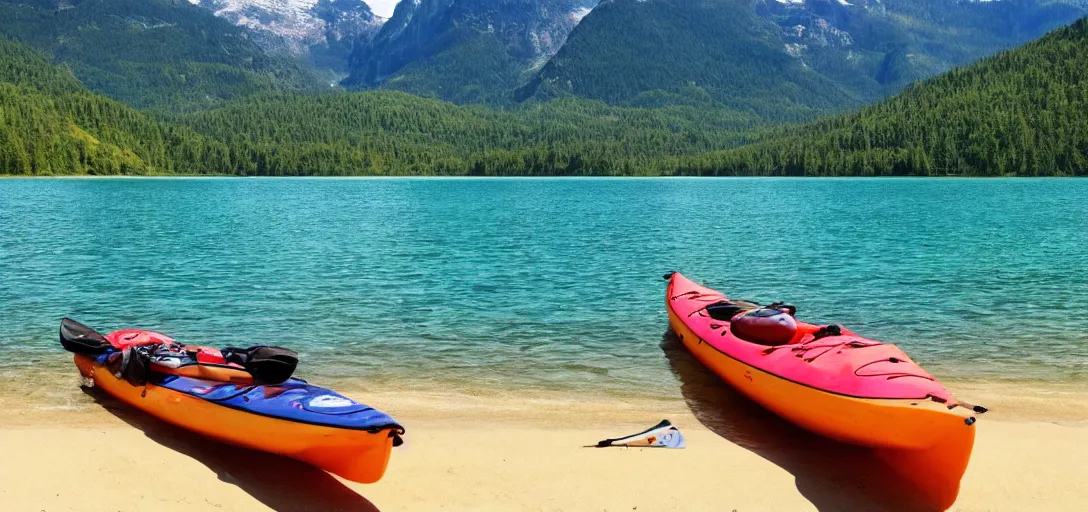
[[383, 8], [298, 25]]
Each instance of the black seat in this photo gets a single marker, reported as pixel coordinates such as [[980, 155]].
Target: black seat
[[267, 365], [724, 311]]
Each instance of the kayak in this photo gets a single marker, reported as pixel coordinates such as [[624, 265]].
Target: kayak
[[830, 381], [245, 397]]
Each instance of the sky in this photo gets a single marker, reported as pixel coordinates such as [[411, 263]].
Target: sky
[[383, 8]]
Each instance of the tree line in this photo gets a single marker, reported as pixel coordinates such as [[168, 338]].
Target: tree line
[[1023, 112]]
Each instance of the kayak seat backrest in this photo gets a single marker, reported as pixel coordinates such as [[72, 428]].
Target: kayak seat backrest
[[267, 365], [724, 311], [271, 365], [765, 327]]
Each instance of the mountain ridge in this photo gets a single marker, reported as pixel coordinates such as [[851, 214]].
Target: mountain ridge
[[867, 49], [50, 124], [153, 54], [324, 31], [465, 51], [1023, 112]]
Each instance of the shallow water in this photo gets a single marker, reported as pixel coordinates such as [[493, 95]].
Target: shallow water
[[549, 284]]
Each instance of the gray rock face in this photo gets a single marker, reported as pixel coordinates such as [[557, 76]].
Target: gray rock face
[[491, 50], [880, 45], [325, 30], [631, 51], [518, 36]]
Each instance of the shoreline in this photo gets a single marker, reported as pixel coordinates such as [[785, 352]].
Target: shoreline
[[1065, 405], [525, 450], [529, 177], [38, 397], [467, 452], [43, 394]]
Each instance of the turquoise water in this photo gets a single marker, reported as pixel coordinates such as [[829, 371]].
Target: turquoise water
[[552, 284]]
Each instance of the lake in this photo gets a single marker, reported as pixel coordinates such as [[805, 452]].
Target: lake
[[551, 284]]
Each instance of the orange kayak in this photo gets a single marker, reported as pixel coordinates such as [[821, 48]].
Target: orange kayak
[[830, 381], [196, 388]]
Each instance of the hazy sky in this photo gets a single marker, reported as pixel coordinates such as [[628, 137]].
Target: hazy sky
[[383, 8]]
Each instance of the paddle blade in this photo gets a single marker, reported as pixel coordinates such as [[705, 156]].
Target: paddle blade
[[662, 435], [80, 339]]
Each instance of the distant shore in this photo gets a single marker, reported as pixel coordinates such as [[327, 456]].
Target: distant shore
[[507, 177], [507, 453]]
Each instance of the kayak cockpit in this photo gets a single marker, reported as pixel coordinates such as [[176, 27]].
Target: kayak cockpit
[[135, 353], [771, 325]]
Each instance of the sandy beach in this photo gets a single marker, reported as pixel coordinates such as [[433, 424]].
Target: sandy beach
[[495, 452]]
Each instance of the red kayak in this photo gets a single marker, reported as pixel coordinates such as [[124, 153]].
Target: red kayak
[[830, 381]]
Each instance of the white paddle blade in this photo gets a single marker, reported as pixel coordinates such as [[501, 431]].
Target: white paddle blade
[[664, 437]]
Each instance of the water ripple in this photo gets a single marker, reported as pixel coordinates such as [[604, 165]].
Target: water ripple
[[545, 283]]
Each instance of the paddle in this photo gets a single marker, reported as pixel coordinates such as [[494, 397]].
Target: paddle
[[80, 339]]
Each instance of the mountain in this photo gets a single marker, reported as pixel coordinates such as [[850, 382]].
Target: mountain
[[50, 124], [161, 54], [876, 47], [683, 51], [465, 51], [1023, 112], [807, 55], [325, 31]]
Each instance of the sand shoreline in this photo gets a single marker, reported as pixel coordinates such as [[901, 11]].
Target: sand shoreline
[[495, 452], [526, 456], [1010, 402], [71, 449], [38, 395]]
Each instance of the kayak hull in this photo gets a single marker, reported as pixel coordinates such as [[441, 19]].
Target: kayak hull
[[357, 455], [926, 442], [875, 423]]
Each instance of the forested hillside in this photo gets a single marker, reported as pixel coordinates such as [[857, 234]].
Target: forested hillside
[[159, 54], [393, 133], [784, 60], [1023, 112], [876, 47], [50, 124], [683, 52]]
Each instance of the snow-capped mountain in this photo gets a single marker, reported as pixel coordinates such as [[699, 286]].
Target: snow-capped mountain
[[878, 46], [815, 54], [326, 30], [465, 50]]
